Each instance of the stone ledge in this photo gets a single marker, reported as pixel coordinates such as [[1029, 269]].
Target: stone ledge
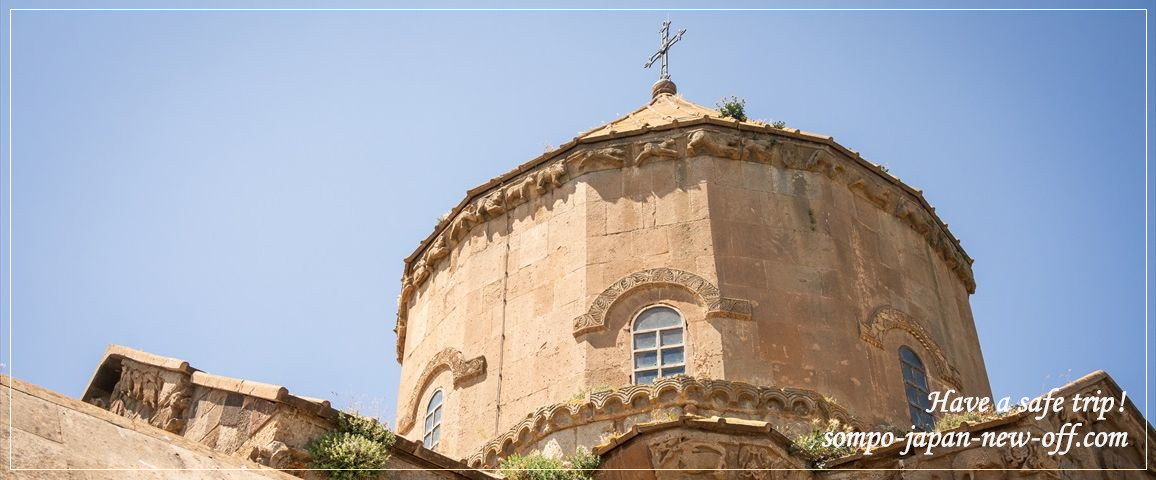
[[169, 440]]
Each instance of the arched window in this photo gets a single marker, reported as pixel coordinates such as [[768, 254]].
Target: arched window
[[659, 344], [915, 383], [433, 422]]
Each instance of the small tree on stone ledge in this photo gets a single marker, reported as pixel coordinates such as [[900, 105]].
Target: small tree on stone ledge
[[357, 447], [734, 108], [535, 466]]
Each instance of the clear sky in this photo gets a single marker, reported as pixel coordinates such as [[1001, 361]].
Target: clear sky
[[238, 189]]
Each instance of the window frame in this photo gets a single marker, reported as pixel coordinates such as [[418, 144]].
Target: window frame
[[658, 347], [433, 431], [917, 419]]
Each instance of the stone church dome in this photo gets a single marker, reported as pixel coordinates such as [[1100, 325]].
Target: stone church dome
[[676, 263]]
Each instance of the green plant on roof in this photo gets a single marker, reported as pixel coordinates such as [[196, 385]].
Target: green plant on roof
[[954, 420], [735, 108], [352, 451], [813, 443], [535, 466]]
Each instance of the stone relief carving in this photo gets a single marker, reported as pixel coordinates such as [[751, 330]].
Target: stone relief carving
[[597, 159], [494, 204], [1031, 457], [887, 318], [769, 146], [987, 462], [141, 393], [758, 459], [717, 306], [696, 458], [661, 149], [977, 460], [703, 397], [705, 142], [171, 415], [451, 359], [276, 454], [519, 192], [135, 394], [550, 177]]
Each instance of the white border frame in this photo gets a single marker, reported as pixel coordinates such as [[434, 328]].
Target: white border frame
[[10, 163]]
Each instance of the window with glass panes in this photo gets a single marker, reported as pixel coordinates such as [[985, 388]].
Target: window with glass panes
[[433, 422], [915, 383], [659, 344]]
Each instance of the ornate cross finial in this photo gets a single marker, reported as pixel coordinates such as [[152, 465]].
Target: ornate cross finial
[[664, 49], [664, 85]]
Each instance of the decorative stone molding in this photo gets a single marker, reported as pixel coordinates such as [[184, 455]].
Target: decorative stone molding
[[699, 397], [451, 359], [717, 306], [739, 141], [887, 318]]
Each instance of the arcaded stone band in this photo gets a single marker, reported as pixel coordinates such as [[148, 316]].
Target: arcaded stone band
[[700, 396]]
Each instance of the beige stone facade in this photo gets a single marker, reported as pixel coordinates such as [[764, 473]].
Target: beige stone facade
[[791, 273], [795, 263]]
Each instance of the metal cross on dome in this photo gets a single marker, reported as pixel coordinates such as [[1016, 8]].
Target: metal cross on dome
[[664, 49]]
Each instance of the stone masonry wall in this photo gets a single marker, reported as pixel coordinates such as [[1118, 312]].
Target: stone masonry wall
[[785, 259]]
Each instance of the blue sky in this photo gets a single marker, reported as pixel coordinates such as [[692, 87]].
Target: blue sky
[[238, 189]]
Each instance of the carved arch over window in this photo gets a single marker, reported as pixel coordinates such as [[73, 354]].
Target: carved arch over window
[[887, 318], [448, 359], [716, 305]]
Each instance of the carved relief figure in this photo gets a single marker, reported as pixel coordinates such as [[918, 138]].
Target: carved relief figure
[[171, 414], [720, 145], [135, 394], [551, 176], [757, 459], [662, 149], [597, 159], [141, 393], [697, 459]]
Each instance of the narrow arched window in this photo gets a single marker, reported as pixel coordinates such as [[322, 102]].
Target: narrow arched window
[[433, 422], [915, 383], [659, 348]]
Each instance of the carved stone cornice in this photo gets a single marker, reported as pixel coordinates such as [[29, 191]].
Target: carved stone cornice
[[448, 359], [702, 397], [739, 141], [887, 318], [707, 293]]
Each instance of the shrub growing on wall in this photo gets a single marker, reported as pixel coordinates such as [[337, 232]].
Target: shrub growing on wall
[[357, 446], [734, 108], [535, 466], [812, 443]]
